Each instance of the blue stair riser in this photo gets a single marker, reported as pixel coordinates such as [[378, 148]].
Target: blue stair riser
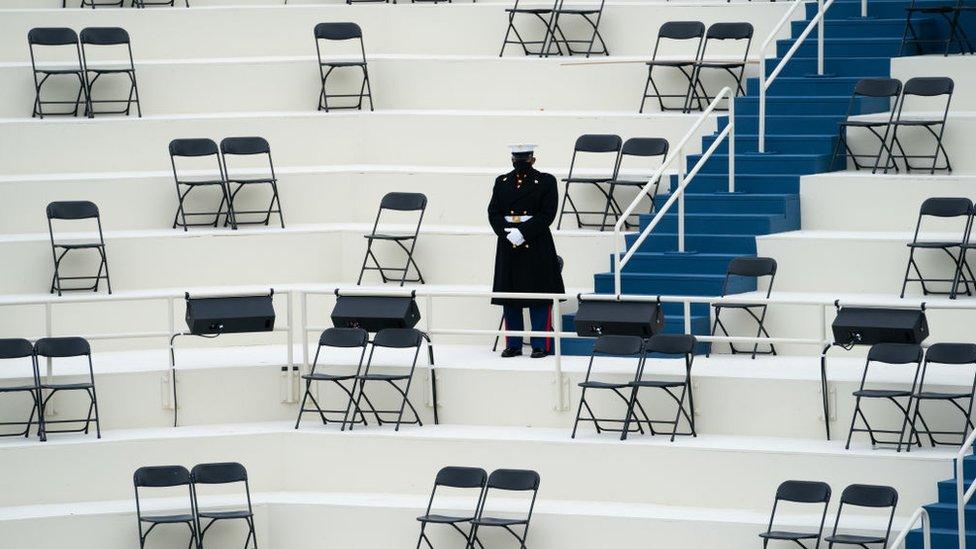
[[947, 490], [677, 263], [744, 183], [755, 163], [672, 325], [853, 28], [721, 243], [724, 202], [810, 105], [661, 284], [804, 85], [784, 124], [943, 516], [752, 224], [787, 144], [844, 47], [861, 67], [941, 539]]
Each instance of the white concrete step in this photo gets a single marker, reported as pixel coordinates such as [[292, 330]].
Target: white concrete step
[[440, 138], [954, 67]]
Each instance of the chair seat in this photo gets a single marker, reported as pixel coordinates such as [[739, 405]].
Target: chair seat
[[78, 245], [168, 519], [720, 64], [109, 71], [244, 181], [235, 514], [864, 123], [685, 63], [918, 122], [59, 71], [930, 9], [443, 519], [788, 536], [655, 383], [384, 377], [16, 388], [933, 395], [934, 244], [602, 385], [498, 521], [328, 377], [630, 182], [738, 305], [587, 179], [881, 393], [202, 182], [381, 236], [579, 11], [853, 539], [536, 11], [66, 386], [343, 63]]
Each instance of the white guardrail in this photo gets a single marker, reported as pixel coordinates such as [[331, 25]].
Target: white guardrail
[[963, 493], [920, 514]]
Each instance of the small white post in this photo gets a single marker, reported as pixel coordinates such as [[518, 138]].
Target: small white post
[[864, 8], [557, 327], [961, 501], [731, 142], [294, 375], [303, 308], [820, 38], [762, 106], [616, 267], [681, 219]]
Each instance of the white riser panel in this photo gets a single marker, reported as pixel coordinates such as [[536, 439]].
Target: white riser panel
[[954, 67], [464, 29], [960, 127], [418, 137]]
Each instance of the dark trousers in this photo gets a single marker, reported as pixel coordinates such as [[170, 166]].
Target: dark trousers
[[541, 318]]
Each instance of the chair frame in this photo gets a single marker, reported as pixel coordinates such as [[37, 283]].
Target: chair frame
[[391, 379], [247, 515], [802, 492], [144, 3], [845, 499], [453, 477], [326, 67], [586, 15], [929, 124], [60, 250], [678, 31], [151, 519], [494, 483], [329, 339], [613, 207], [228, 147], [546, 16], [81, 102], [396, 201], [590, 143], [921, 395], [738, 267], [52, 388], [17, 349], [863, 88], [615, 346], [735, 69], [180, 219], [962, 273], [894, 354], [672, 345], [93, 74]]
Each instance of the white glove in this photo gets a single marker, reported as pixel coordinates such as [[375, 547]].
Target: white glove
[[515, 236]]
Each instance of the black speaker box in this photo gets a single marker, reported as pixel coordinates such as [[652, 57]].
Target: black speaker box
[[374, 313], [867, 326], [229, 315], [637, 318]]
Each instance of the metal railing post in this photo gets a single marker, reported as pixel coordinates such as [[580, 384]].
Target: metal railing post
[[864, 8], [681, 222], [294, 373], [731, 144], [820, 39], [557, 328]]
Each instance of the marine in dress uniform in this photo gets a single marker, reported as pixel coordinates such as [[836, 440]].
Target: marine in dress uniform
[[523, 205]]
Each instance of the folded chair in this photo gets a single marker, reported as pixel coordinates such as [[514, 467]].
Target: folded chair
[[250, 147], [923, 87], [800, 492], [165, 476], [883, 88], [199, 149], [947, 356], [43, 41], [104, 38], [407, 242], [20, 351], [674, 35], [740, 34], [507, 480], [590, 16], [458, 478], [960, 210], [222, 474], [336, 338], [50, 348], [76, 211], [868, 496], [672, 346], [906, 354], [340, 32], [635, 148], [950, 12], [391, 338], [617, 346], [753, 268], [608, 147], [544, 16]]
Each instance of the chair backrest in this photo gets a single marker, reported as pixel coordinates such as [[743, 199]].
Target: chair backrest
[[674, 32], [461, 477], [878, 87], [951, 353], [192, 147], [244, 145], [514, 480], [753, 267], [104, 36], [868, 495], [51, 36], [69, 210], [803, 491], [598, 143], [338, 31], [12, 348], [398, 338], [404, 202], [671, 344], [344, 337], [62, 347], [946, 207], [729, 32], [929, 86], [618, 345], [161, 476], [218, 473], [895, 353], [645, 146]]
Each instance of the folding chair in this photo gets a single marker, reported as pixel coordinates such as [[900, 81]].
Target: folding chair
[[883, 88], [507, 480], [953, 355], [339, 338], [461, 478], [546, 17], [591, 17], [753, 268], [864, 495], [67, 347], [718, 33], [894, 354], [675, 35], [76, 211], [923, 87], [108, 37], [50, 39], [21, 350], [618, 346], [635, 147], [250, 146], [672, 346], [950, 13], [391, 338], [222, 473], [590, 144], [165, 476], [398, 202], [799, 492], [944, 208], [199, 149], [96, 4], [342, 32]]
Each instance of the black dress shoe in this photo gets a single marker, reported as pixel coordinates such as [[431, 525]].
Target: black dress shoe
[[539, 353], [509, 353]]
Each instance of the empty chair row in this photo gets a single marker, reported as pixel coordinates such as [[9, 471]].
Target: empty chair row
[[555, 40], [121, 3], [49, 60], [891, 149]]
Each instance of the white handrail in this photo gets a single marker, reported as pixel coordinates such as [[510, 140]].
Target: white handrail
[[919, 514], [963, 494], [683, 180], [765, 82]]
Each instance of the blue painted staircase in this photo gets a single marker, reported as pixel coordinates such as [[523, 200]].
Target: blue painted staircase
[[942, 514]]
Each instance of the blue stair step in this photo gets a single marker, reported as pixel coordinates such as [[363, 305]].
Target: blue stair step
[[866, 46], [754, 163], [861, 66], [679, 263], [784, 124], [943, 516], [878, 9], [706, 243], [792, 144], [941, 539], [849, 28], [806, 85], [724, 223], [744, 183], [810, 105], [662, 284], [673, 324], [725, 202], [947, 490]]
